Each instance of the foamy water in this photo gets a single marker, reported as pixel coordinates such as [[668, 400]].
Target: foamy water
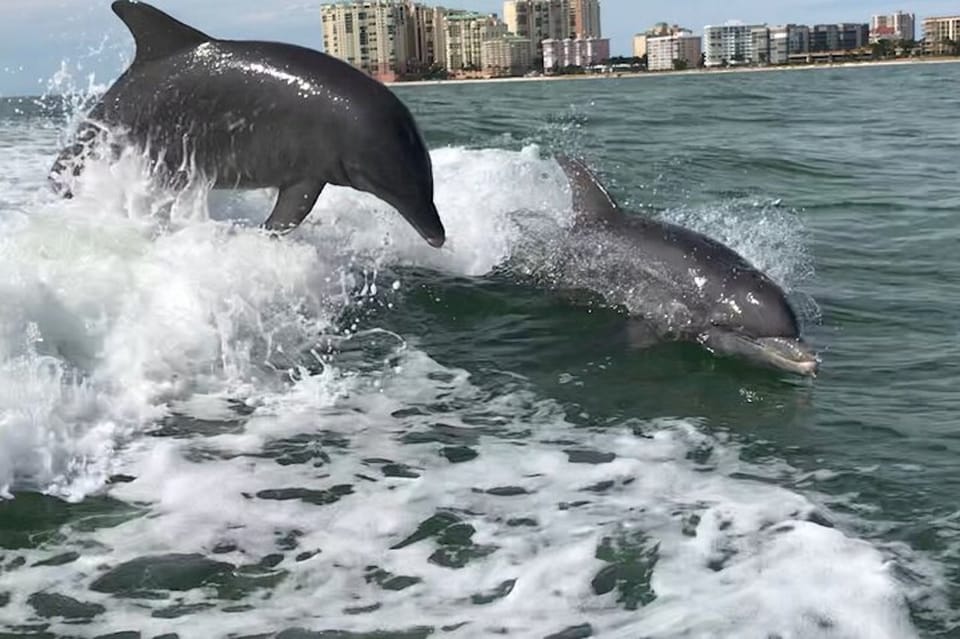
[[174, 347]]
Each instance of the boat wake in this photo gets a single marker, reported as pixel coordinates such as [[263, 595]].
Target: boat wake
[[242, 448]]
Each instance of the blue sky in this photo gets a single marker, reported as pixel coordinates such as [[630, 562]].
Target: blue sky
[[37, 36]]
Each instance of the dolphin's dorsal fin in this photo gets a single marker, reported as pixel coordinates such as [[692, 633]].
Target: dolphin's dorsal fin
[[157, 35], [590, 199]]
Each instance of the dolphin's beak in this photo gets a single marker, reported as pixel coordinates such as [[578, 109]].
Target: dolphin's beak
[[427, 223], [789, 354]]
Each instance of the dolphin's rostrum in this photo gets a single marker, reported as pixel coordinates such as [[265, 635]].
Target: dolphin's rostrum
[[249, 114]]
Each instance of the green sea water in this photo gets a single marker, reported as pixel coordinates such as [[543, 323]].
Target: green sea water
[[843, 183], [866, 158]]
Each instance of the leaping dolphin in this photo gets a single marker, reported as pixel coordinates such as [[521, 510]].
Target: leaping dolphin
[[247, 114], [681, 284]]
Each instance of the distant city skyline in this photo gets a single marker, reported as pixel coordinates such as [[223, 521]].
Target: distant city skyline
[[37, 35]]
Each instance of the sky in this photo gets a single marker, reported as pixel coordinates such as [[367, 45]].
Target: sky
[[38, 38]]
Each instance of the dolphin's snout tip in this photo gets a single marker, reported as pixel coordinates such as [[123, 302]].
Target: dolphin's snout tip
[[806, 360], [789, 354], [426, 221], [808, 368], [793, 355]]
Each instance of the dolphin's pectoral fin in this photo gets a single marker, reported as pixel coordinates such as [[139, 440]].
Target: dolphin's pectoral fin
[[70, 163], [294, 202]]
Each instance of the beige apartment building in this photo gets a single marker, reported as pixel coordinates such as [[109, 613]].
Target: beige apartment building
[[640, 45], [426, 47], [553, 19], [660, 29], [584, 19], [538, 20], [392, 38], [464, 35], [370, 35], [665, 53], [938, 33], [507, 55]]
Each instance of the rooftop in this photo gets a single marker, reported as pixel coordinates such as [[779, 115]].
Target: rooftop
[[470, 15]]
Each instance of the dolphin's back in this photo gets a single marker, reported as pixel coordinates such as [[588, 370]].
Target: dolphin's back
[[685, 276], [591, 201], [245, 113]]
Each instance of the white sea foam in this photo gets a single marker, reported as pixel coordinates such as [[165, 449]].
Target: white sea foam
[[771, 238], [733, 557], [120, 317]]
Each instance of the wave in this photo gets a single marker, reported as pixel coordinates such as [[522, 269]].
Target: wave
[[165, 350]]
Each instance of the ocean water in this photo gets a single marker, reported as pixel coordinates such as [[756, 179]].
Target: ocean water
[[346, 433]]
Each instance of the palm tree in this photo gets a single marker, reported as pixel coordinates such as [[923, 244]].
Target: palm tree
[[949, 47], [882, 49]]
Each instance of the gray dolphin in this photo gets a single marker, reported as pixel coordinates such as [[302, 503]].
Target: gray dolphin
[[681, 284], [248, 114]]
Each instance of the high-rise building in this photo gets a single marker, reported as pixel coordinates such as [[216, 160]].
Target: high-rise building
[[838, 37], [730, 44], [574, 52], [665, 53], [640, 45], [584, 18], [425, 45], [507, 55], [853, 36], [660, 29], [939, 32], [775, 45], [778, 45], [897, 26], [824, 37], [798, 39], [538, 20], [464, 35], [515, 14], [760, 44], [371, 35]]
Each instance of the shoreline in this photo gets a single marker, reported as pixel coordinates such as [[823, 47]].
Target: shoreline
[[626, 75], [690, 72]]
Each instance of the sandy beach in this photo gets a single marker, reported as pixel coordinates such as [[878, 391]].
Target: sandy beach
[[690, 72]]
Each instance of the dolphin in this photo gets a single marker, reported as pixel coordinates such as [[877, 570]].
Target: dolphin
[[677, 284], [250, 114]]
